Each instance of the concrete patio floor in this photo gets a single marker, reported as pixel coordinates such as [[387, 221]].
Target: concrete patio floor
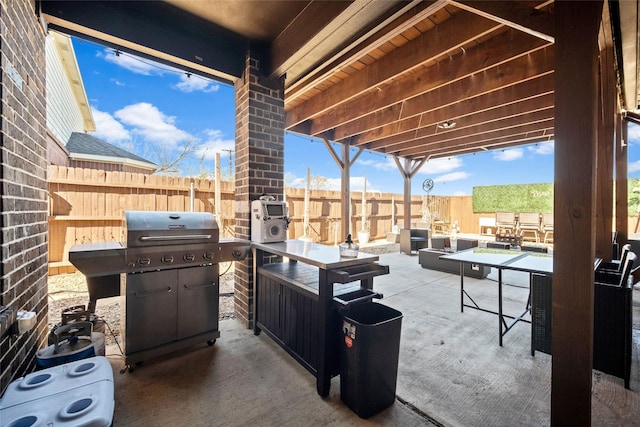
[[452, 371]]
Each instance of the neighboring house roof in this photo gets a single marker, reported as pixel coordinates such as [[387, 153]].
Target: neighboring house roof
[[83, 146]]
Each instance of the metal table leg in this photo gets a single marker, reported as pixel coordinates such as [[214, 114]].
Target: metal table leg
[[325, 297], [462, 287], [500, 320]]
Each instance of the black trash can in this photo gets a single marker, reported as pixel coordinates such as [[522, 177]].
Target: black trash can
[[369, 357]]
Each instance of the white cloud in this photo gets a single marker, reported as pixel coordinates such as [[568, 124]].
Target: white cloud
[[293, 181], [440, 165], [188, 82], [633, 134], [634, 166], [453, 176], [108, 128], [215, 143], [356, 183], [334, 184], [508, 155], [132, 63], [385, 164], [151, 124], [193, 83], [543, 148]]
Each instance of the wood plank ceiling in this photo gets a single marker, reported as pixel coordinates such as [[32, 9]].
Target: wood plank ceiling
[[440, 80], [416, 79]]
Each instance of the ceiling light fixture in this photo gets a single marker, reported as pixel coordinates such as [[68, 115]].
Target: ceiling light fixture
[[447, 124]]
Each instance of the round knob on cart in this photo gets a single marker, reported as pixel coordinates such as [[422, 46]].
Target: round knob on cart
[[144, 261], [167, 259], [209, 255], [189, 257]]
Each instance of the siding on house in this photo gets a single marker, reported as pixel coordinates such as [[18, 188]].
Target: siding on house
[[64, 114]]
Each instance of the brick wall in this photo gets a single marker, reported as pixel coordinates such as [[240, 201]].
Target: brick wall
[[23, 186], [259, 162]]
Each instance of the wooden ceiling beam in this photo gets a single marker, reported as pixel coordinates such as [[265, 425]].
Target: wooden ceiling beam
[[543, 127], [500, 49], [415, 12], [522, 69], [302, 31], [528, 96], [496, 118], [531, 119], [515, 14], [449, 36], [502, 143]]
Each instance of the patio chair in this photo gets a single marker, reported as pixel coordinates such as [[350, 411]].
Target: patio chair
[[613, 323], [505, 221], [413, 239], [619, 277], [438, 225], [612, 271], [529, 223], [614, 266], [547, 227]]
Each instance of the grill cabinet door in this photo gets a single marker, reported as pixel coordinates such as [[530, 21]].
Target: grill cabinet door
[[198, 300], [151, 301]]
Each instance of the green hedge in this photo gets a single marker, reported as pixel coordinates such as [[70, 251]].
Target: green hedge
[[533, 198], [513, 198], [633, 192]]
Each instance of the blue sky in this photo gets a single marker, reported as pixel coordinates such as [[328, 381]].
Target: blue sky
[[152, 110]]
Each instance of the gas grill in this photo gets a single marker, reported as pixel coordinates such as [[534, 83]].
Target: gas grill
[[167, 276]]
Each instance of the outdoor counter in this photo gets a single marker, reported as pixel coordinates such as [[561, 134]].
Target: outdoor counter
[[315, 254], [294, 286]]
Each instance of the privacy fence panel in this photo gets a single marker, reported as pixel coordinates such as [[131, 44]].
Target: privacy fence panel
[[87, 206]]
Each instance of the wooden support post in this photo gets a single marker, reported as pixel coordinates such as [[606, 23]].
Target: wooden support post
[[344, 164], [605, 155], [576, 116], [408, 170], [622, 182]]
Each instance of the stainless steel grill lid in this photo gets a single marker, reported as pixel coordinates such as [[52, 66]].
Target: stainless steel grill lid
[[170, 228]]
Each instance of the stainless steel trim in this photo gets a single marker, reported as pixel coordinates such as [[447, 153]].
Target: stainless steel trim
[[206, 285]]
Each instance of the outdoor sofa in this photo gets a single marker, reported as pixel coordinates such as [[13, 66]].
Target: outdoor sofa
[[430, 257]]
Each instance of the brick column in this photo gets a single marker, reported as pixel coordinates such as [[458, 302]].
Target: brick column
[[23, 184], [259, 163]]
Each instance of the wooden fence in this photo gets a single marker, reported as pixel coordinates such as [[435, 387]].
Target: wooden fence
[[87, 206]]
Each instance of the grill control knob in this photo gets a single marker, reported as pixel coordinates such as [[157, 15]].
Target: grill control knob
[[236, 253], [167, 259], [144, 261], [208, 255], [189, 257]]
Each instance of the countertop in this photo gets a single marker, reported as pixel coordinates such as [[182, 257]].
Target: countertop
[[316, 254]]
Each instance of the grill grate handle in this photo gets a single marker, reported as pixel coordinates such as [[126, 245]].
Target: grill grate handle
[[180, 237], [150, 294]]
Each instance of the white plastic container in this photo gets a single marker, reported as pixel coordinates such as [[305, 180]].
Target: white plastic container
[[75, 393]]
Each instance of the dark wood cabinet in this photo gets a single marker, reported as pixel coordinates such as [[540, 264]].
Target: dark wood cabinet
[[297, 301]]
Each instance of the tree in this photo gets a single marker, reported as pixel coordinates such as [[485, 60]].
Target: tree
[[168, 161]]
